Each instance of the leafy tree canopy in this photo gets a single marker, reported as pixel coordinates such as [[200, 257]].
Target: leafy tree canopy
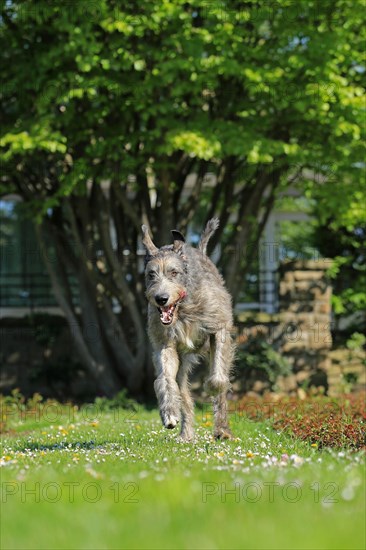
[[248, 97]]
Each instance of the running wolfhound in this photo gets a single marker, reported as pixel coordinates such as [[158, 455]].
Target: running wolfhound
[[189, 316]]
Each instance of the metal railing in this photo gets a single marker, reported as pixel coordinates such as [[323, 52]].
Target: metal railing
[[32, 290], [29, 290], [260, 292]]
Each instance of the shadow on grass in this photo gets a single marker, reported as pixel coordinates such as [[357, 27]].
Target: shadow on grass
[[84, 445]]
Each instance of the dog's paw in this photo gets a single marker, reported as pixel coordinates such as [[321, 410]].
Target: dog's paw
[[186, 437], [170, 421], [223, 433]]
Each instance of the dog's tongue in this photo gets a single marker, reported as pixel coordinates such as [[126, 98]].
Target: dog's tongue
[[166, 314]]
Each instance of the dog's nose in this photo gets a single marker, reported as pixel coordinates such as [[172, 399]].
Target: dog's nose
[[161, 299]]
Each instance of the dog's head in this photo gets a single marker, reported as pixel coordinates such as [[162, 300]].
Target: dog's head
[[165, 275]]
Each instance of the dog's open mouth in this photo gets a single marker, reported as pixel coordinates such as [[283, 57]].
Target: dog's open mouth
[[167, 312]]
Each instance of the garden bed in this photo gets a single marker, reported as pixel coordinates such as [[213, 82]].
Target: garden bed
[[322, 421]]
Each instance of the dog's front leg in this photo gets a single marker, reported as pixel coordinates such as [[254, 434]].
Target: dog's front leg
[[166, 362]]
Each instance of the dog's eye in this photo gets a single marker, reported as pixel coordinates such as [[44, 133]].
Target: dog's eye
[[174, 273], [151, 274]]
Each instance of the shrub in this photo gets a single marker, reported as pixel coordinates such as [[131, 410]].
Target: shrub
[[262, 359], [323, 421]]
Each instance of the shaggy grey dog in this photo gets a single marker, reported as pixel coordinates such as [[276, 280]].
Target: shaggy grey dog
[[189, 316]]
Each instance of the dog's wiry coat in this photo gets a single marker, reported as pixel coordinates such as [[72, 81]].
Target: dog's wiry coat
[[189, 316]]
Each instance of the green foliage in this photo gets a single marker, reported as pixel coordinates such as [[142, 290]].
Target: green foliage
[[119, 401], [345, 244], [260, 356], [15, 400], [15, 408], [355, 344], [133, 84], [296, 240]]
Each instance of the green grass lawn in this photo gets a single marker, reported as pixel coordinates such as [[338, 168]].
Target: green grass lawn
[[83, 479]]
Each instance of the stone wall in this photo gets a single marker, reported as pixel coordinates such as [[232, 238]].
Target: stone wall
[[305, 309], [300, 331]]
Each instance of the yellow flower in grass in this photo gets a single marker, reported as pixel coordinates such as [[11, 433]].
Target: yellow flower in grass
[[250, 454], [62, 430], [221, 454]]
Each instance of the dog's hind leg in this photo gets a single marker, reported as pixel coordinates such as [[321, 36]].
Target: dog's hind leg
[[187, 404], [221, 358], [218, 382], [221, 423], [166, 363]]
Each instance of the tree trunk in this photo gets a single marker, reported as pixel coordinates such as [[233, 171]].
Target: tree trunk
[[112, 346], [100, 372], [96, 239]]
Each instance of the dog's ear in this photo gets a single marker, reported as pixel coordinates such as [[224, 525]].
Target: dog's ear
[[179, 240], [147, 242]]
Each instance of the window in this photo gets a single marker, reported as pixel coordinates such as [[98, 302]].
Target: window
[[24, 280]]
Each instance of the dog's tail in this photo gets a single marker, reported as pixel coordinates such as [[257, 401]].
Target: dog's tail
[[210, 229]]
